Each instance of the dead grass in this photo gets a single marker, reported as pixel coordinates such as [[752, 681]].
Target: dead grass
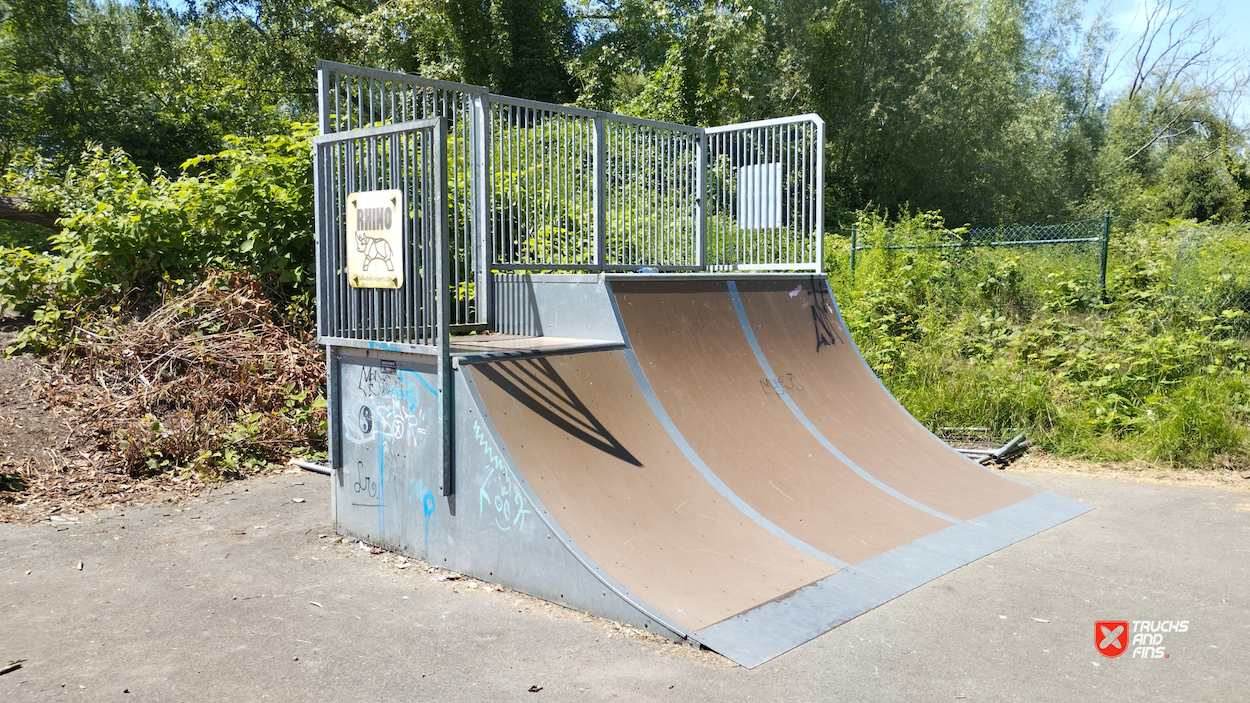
[[207, 385]]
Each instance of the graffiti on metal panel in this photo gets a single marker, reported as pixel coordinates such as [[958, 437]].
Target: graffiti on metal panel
[[392, 421], [365, 487], [417, 490], [497, 490], [374, 383], [364, 483]]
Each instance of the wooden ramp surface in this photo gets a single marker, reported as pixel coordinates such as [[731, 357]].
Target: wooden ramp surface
[[595, 455], [738, 468]]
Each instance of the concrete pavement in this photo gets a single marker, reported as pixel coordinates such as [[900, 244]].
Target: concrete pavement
[[237, 596]]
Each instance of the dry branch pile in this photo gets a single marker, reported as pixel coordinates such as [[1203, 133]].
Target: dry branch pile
[[207, 385]]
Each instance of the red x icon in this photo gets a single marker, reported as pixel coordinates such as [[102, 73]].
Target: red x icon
[[1111, 637]]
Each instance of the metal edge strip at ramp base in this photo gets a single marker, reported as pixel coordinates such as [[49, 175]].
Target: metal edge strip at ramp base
[[765, 632]]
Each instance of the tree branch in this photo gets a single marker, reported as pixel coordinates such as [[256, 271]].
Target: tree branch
[[14, 208]]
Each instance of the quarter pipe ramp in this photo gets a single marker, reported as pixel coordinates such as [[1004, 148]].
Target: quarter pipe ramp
[[713, 461]]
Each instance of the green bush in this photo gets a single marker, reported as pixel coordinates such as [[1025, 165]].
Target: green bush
[[1007, 339], [126, 236]]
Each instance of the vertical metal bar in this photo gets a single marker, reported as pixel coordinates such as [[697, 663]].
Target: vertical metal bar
[[854, 246], [819, 195], [372, 117], [640, 196], [321, 205], [334, 413], [514, 214], [482, 136], [532, 182], [561, 159], [600, 191], [446, 405], [351, 296]]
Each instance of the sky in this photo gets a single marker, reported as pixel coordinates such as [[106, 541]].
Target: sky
[[1129, 19]]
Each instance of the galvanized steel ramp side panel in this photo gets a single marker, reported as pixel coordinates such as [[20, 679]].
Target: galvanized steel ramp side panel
[[494, 529]]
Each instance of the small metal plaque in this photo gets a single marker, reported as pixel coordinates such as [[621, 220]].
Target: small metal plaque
[[387, 366], [375, 233]]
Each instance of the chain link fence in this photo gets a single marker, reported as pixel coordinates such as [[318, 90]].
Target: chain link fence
[[1062, 266], [1064, 262], [1211, 275]]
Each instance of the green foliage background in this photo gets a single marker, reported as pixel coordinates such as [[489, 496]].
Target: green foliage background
[[172, 140], [1019, 339]]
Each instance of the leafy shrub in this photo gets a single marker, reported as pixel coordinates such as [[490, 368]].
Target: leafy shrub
[[127, 236], [1156, 373]]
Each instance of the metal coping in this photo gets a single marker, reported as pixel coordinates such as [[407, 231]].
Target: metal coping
[[458, 360]]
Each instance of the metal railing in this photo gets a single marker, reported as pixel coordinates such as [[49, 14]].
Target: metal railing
[[542, 187], [352, 98], [408, 157], [765, 181]]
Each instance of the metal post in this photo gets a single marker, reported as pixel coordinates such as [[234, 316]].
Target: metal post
[[1102, 255], [600, 192], [854, 244], [700, 203], [443, 304], [334, 426], [820, 193], [483, 254]]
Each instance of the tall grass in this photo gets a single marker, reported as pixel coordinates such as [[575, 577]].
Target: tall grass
[[1019, 338]]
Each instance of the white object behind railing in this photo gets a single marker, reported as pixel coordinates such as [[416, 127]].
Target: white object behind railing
[[534, 186]]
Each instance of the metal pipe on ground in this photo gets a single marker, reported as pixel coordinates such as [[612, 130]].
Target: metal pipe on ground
[[310, 466]]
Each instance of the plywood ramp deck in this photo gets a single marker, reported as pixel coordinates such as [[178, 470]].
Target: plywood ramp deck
[[796, 325], [594, 453], [694, 352]]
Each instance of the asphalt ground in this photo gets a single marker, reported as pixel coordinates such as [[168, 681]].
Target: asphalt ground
[[238, 596]]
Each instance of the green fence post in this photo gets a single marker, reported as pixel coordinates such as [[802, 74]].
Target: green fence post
[[1102, 255], [854, 238]]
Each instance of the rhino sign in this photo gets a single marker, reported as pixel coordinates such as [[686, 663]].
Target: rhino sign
[[375, 230]]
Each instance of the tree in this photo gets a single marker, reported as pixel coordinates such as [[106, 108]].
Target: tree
[[1167, 127]]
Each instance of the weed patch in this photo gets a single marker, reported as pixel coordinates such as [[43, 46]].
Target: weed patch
[[1156, 372], [208, 385]]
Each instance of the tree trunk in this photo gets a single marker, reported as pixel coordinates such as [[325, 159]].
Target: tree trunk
[[14, 208]]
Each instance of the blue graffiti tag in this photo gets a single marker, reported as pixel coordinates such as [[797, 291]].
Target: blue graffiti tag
[[417, 489], [508, 503]]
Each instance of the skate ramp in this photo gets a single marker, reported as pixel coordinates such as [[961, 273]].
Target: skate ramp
[[593, 453], [740, 505], [690, 345], [814, 363]]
